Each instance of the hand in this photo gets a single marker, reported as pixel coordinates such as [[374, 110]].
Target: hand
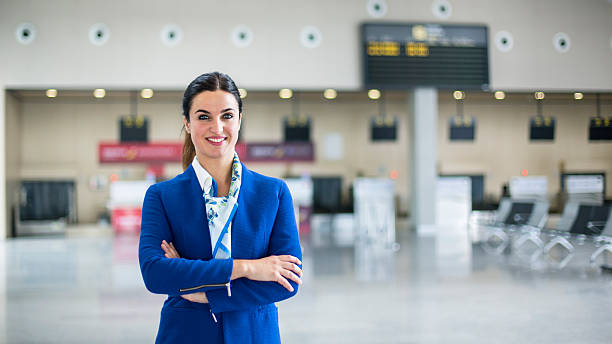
[[277, 269], [199, 297], [171, 252]]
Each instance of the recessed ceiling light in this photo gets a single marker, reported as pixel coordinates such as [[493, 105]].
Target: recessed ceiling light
[[51, 93], [146, 93], [499, 95], [330, 93], [285, 93], [374, 94], [243, 93], [578, 95], [539, 95], [99, 93], [458, 95]]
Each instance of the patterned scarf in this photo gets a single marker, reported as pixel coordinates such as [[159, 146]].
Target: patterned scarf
[[220, 211]]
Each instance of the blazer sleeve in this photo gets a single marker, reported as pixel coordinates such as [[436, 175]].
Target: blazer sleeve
[[284, 239], [173, 276]]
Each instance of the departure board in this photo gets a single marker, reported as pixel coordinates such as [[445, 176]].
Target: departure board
[[399, 56]]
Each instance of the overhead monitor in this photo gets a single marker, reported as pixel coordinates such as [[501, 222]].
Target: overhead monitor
[[400, 56], [600, 129], [133, 128], [542, 128], [462, 128]]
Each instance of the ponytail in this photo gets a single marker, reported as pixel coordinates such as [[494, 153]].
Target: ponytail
[[188, 151]]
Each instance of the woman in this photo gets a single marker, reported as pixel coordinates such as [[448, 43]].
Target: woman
[[219, 239]]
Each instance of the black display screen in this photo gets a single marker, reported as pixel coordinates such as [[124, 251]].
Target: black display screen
[[399, 56], [462, 128], [542, 128], [296, 131], [600, 128], [133, 129], [382, 130]]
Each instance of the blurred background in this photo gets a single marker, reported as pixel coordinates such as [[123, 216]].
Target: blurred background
[[448, 161]]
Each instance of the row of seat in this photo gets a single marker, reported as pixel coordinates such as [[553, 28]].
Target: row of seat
[[518, 227]]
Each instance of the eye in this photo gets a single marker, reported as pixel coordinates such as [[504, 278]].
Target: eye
[[203, 116], [228, 115]]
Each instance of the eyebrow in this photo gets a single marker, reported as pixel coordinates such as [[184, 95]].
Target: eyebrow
[[204, 111]]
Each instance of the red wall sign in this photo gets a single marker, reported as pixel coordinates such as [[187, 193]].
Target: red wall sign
[[139, 152], [276, 152]]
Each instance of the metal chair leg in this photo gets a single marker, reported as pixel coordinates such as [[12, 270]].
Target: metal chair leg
[[492, 234], [598, 252], [525, 239], [561, 241]]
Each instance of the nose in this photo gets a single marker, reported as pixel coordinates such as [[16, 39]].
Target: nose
[[217, 126]]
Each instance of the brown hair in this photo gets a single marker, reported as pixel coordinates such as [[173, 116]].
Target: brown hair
[[188, 151], [205, 82]]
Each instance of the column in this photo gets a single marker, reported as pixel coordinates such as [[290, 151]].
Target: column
[[424, 159]]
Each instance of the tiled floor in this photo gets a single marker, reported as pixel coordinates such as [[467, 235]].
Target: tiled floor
[[89, 290]]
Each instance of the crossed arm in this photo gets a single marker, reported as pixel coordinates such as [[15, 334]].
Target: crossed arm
[[253, 282], [277, 269]]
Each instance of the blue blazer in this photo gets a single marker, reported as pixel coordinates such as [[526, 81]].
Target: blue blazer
[[264, 225]]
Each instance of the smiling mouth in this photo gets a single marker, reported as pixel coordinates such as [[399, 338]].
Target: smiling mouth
[[216, 139]]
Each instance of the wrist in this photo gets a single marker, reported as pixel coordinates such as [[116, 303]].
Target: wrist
[[240, 268]]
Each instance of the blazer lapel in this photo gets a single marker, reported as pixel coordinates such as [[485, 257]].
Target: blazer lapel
[[240, 236], [196, 215]]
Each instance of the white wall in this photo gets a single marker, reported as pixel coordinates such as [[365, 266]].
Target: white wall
[[61, 55]]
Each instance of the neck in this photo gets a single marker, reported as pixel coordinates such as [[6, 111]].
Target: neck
[[220, 169]]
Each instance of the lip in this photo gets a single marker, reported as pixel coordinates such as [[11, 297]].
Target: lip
[[223, 138]]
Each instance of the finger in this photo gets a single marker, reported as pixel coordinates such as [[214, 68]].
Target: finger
[[169, 253], [290, 258], [282, 281], [169, 248], [174, 250], [293, 267], [290, 275], [166, 249], [164, 246]]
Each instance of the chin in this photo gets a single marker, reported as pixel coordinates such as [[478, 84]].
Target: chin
[[219, 153]]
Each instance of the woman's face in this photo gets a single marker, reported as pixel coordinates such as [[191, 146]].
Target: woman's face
[[214, 122]]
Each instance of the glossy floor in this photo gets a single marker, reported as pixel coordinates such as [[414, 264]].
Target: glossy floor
[[89, 290]]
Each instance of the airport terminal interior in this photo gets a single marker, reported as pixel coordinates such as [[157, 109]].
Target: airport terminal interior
[[448, 161]]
